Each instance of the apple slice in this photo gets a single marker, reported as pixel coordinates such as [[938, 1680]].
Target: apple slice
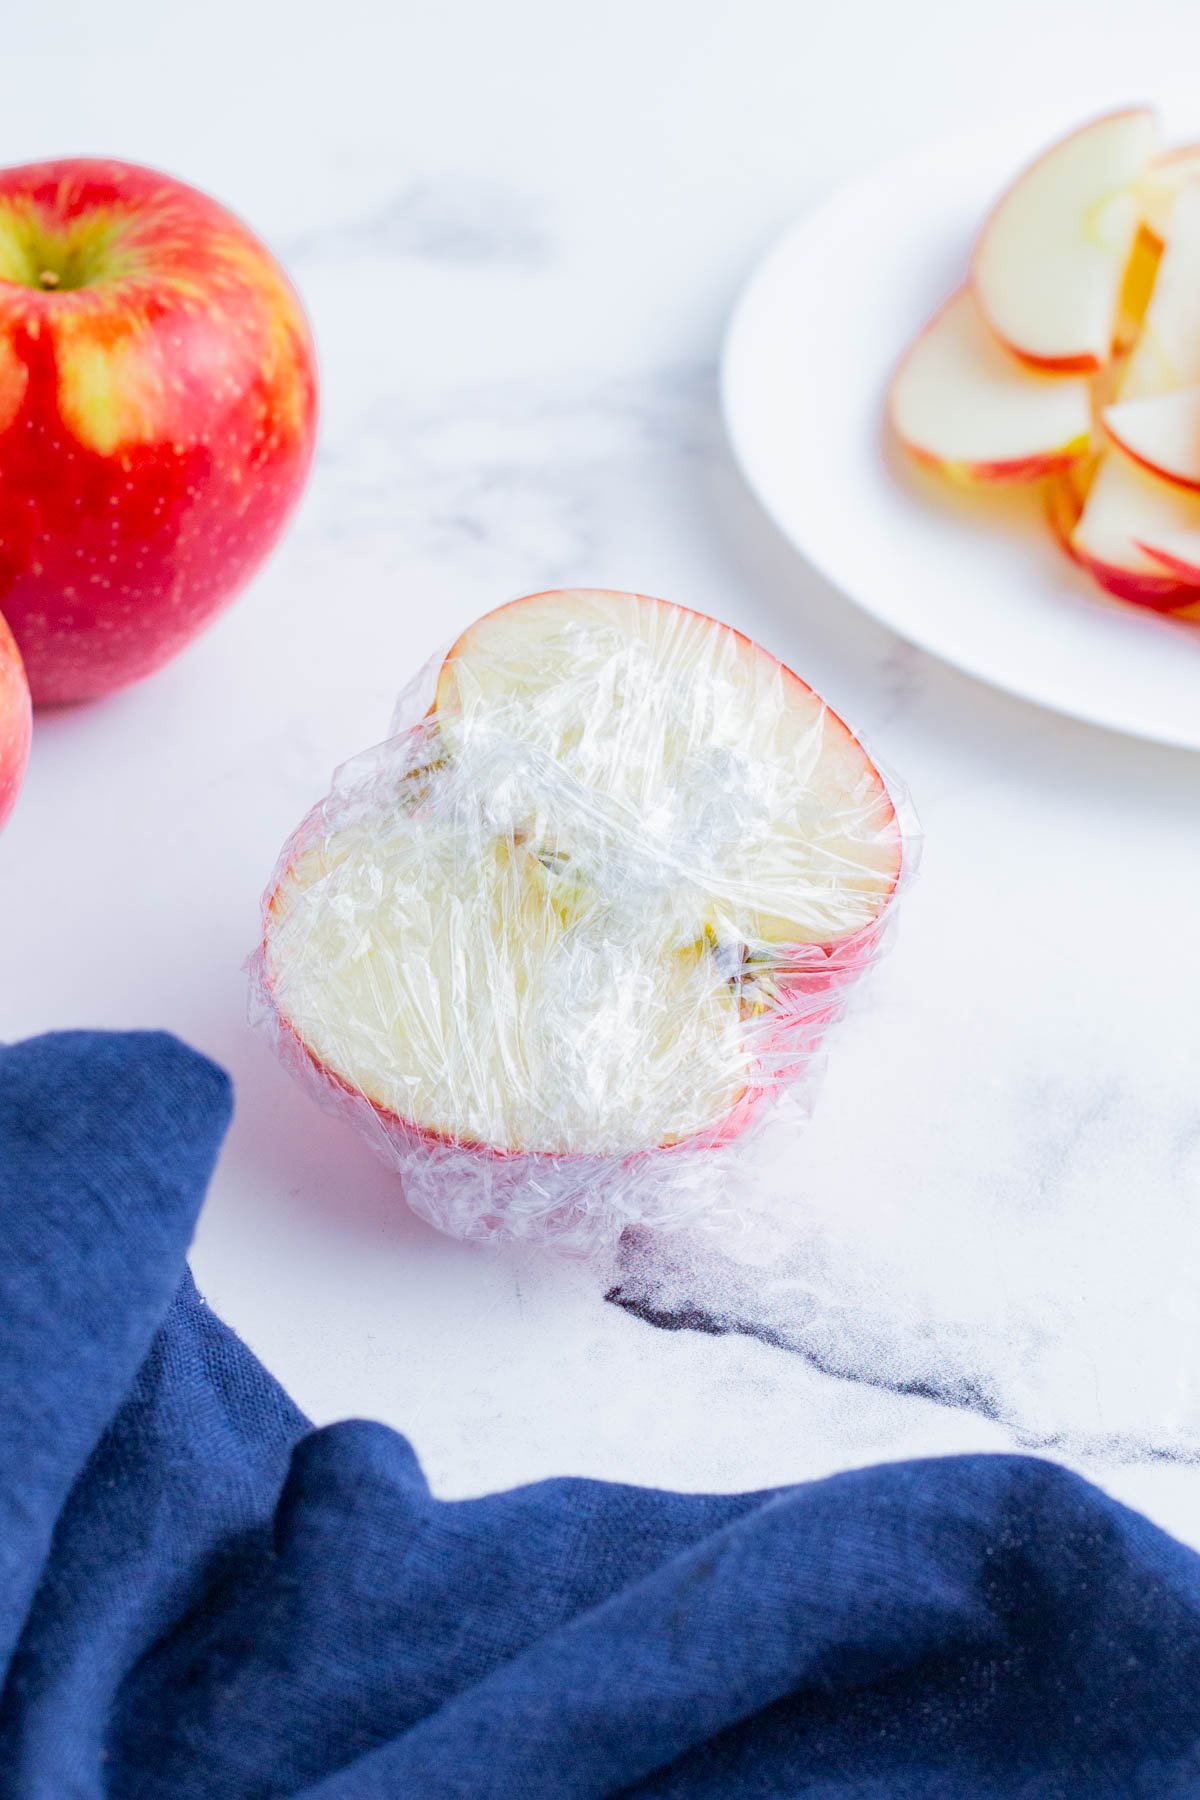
[[1065, 497], [1127, 508], [1160, 186], [1167, 352], [1137, 287], [1179, 553], [599, 903], [1161, 432], [960, 403], [1050, 262]]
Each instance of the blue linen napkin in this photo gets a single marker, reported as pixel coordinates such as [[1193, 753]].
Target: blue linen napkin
[[201, 1596]]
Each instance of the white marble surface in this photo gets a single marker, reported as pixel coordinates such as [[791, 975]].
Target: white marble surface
[[518, 231]]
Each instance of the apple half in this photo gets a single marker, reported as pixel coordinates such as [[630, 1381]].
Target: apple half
[[595, 906], [1050, 264], [962, 404]]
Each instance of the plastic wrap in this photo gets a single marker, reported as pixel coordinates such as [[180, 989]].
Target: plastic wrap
[[560, 943]]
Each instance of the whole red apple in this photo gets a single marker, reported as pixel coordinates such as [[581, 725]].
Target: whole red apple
[[15, 721], [158, 399]]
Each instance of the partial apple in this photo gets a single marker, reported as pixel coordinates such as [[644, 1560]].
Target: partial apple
[[1137, 287], [1161, 432], [15, 722], [962, 404], [1178, 552], [597, 904], [1161, 184], [656, 706], [1126, 509], [1065, 496], [1050, 263], [1167, 352], [157, 416]]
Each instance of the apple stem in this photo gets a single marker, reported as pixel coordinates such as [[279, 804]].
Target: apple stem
[[48, 278]]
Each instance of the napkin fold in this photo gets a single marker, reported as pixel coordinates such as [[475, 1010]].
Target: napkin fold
[[202, 1596]]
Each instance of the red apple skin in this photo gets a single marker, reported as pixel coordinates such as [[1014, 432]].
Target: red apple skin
[[1174, 593], [1178, 566], [1020, 472], [1083, 364], [1169, 475], [1165, 593], [16, 721], [158, 402], [1187, 578], [1161, 594]]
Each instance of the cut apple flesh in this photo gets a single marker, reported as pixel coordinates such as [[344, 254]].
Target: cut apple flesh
[[961, 402], [679, 736], [1160, 187], [1162, 432], [1065, 496], [1050, 264], [1178, 552], [1127, 508], [565, 913], [1167, 352], [438, 971], [1137, 287]]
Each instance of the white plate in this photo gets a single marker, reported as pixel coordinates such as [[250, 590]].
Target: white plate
[[976, 580]]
